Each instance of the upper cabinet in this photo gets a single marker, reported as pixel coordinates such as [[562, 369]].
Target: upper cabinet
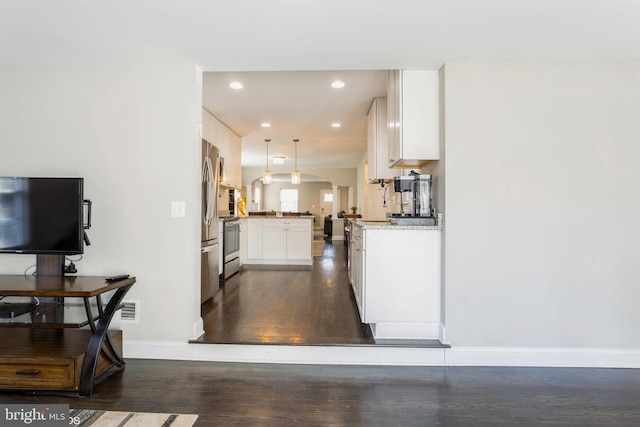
[[413, 117], [378, 142], [230, 146]]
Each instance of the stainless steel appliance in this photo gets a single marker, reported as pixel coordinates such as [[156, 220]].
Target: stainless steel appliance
[[210, 247], [231, 247], [417, 189]]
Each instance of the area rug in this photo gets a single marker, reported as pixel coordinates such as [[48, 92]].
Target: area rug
[[318, 247], [95, 418]]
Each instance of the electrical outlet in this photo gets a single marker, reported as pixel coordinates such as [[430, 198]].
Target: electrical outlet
[[178, 209]]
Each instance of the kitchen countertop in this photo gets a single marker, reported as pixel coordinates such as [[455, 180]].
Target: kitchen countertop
[[388, 225], [279, 217]]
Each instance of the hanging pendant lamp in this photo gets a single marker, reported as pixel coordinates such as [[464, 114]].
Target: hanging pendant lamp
[[266, 178], [295, 175]]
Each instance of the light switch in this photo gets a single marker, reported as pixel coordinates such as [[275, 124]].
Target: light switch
[[178, 209]]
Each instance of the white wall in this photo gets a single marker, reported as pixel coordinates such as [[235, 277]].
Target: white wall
[[132, 133], [542, 205], [308, 196], [541, 199]]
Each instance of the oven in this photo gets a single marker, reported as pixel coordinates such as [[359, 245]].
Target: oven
[[230, 247]]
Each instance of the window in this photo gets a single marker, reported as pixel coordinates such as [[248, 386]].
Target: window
[[328, 197], [289, 200]]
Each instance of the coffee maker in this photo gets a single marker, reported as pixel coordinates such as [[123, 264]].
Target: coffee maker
[[418, 190]]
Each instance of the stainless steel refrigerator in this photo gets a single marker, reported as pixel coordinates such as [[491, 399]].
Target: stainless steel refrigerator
[[210, 281]]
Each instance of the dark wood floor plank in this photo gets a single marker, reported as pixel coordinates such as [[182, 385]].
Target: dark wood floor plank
[[287, 305], [284, 395]]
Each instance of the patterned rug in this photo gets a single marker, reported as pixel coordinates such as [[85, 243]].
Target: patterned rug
[[95, 418]]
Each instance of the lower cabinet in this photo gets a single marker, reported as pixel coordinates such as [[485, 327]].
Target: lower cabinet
[[244, 243], [47, 359], [299, 240], [274, 239], [254, 239], [398, 292], [280, 241], [357, 267]]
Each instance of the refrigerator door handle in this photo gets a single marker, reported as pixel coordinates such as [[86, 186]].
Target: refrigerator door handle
[[208, 192], [210, 248]]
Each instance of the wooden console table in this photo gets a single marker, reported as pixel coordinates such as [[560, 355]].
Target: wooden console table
[[60, 346]]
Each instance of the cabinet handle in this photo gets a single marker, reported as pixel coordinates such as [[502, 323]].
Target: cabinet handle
[[34, 372]]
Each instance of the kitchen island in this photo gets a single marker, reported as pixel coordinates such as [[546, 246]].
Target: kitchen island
[[280, 240], [395, 275]]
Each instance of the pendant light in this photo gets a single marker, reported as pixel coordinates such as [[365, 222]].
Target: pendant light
[[266, 178], [295, 175]]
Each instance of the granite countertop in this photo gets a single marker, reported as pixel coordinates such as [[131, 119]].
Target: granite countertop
[[389, 225], [280, 217]]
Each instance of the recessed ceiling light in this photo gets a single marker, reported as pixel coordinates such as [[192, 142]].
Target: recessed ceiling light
[[265, 125], [236, 85], [335, 125], [337, 84]]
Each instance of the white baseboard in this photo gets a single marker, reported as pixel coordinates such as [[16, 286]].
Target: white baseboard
[[547, 357], [406, 330], [198, 329], [381, 355], [278, 262], [326, 355]]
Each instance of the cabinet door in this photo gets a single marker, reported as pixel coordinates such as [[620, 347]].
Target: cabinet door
[[244, 242], [352, 264], [358, 259], [254, 238], [413, 99], [298, 243], [221, 250], [274, 242], [420, 137], [360, 280], [393, 116], [378, 142]]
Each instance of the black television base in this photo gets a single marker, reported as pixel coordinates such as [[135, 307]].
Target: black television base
[[49, 265]]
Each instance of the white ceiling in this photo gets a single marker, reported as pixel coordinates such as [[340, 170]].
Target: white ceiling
[[298, 105], [294, 35]]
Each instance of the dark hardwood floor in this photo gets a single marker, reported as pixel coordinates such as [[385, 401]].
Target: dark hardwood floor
[[235, 394], [287, 305], [319, 309]]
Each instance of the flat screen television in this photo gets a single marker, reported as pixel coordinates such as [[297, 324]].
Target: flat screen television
[[42, 216]]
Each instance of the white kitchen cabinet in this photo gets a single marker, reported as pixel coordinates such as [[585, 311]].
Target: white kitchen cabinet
[[398, 291], [254, 239], [413, 104], [378, 142], [299, 242], [244, 241], [357, 267], [274, 239], [287, 241], [221, 247], [229, 144]]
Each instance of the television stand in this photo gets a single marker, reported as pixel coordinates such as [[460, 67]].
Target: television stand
[[49, 265], [59, 346]]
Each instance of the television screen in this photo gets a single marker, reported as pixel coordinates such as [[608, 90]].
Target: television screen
[[41, 215]]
